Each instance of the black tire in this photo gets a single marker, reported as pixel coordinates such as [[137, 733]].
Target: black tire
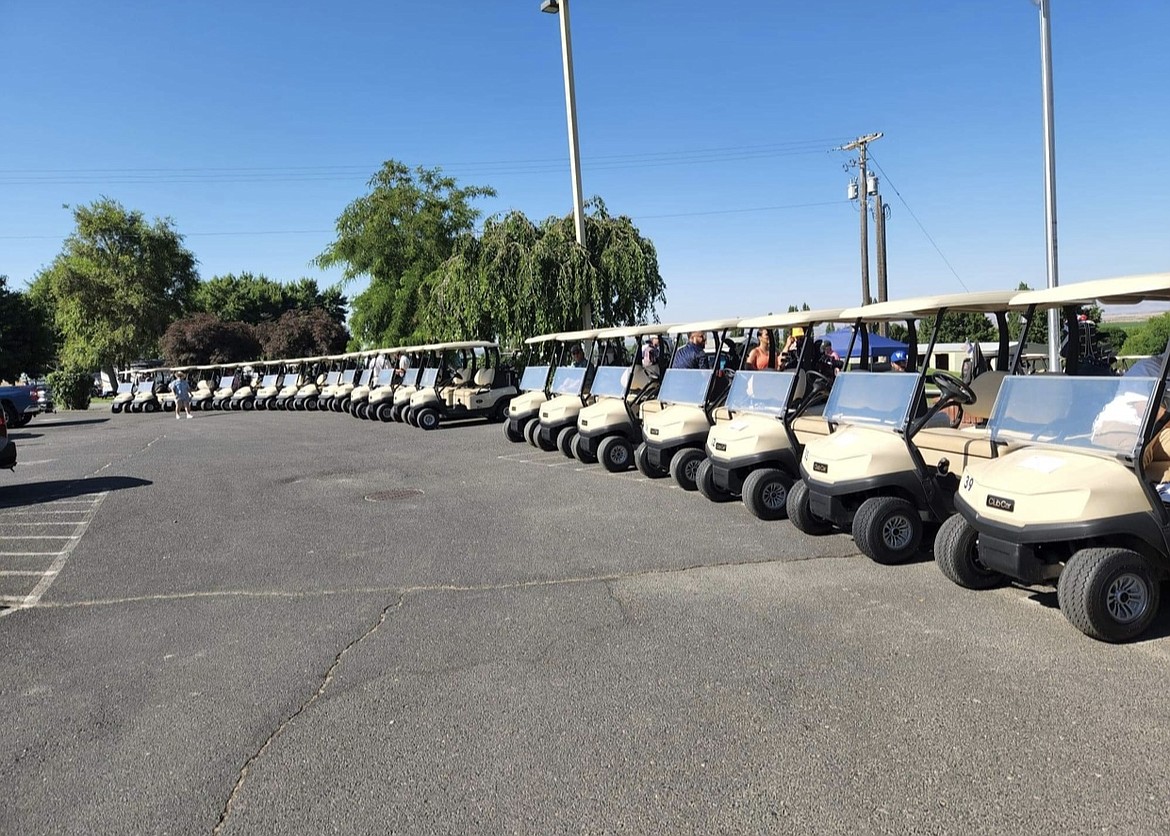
[[1109, 594], [765, 493], [530, 431], [10, 416], [547, 446], [800, 515], [684, 465], [24, 420], [343, 405], [384, 412], [705, 483], [616, 454], [427, 419], [150, 406], [311, 404], [114, 408], [135, 407], [887, 529], [248, 405], [580, 453], [957, 554], [642, 462], [565, 441], [410, 416], [513, 435]]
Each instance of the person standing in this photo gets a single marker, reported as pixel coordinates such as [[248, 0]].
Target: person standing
[[693, 355], [182, 393]]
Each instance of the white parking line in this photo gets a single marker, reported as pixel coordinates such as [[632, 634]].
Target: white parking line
[[50, 522], [46, 581], [25, 572], [4, 512], [39, 536], [29, 554]]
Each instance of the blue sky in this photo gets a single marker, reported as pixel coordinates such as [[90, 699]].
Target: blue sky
[[252, 124]]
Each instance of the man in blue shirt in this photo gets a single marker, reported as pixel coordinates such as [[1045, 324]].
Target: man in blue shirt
[[692, 355]]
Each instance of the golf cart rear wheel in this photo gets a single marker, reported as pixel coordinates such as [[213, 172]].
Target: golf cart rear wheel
[[765, 493], [887, 529], [801, 515], [545, 444], [248, 405], [705, 482], [684, 465], [642, 462], [565, 441], [427, 419], [311, 404], [530, 431], [956, 551], [513, 435], [616, 454], [1109, 594], [580, 453]]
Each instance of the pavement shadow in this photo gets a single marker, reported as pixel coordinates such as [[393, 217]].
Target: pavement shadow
[[18, 435], [74, 423], [18, 496]]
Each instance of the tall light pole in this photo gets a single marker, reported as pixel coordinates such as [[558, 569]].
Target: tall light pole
[[1049, 181], [561, 7]]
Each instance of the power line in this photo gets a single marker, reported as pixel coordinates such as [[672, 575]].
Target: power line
[[890, 183]]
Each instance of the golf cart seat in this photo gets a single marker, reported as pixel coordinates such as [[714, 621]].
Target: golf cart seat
[[203, 386], [484, 378], [967, 442], [637, 377], [1156, 458]]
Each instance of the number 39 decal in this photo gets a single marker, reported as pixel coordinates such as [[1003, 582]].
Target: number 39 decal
[[968, 482]]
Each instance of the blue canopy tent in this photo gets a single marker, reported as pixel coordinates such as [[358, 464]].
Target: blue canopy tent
[[879, 346]]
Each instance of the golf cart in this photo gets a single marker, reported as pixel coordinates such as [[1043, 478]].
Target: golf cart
[[123, 395], [426, 373], [222, 396], [886, 471], [753, 450], [350, 366], [292, 378], [570, 393], [539, 363], [675, 426], [480, 387], [403, 368], [610, 428], [318, 374], [244, 398], [203, 386], [1077, 493], [268, 387], [145, 399]]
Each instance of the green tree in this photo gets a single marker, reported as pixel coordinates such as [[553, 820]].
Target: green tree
[[26, 334], [302, 334], [205, 338], [256, 298], [1150, 338], [1037, 332], [959, 327], [116, 285], [398, 234], [520, 278]]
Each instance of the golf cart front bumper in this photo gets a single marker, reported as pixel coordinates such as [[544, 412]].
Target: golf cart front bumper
[[659, 455], [839, 501]]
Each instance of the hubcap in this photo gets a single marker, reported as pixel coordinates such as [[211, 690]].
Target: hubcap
[[774, 495], [896, 532], [619, 454], [1127, 598], [691, 469]]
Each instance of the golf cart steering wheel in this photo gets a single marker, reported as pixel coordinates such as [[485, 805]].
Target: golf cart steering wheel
[[953, 387], [817, 381]]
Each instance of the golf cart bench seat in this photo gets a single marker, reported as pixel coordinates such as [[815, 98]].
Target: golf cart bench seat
[[970, 443], [1157, 457], [465, 393]]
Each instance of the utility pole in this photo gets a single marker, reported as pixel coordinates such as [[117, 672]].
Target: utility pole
[[860, 145], [879, 222], [1049, 180]]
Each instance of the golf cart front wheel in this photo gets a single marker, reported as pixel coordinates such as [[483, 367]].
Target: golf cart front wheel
[[800, 515], [616, 454], [765, 493], [642, 462], [887, 529], [1109, 594], [427, 419], [513, 435], [565, 441], [705, 482], [114, 408], [530, 431], [580, 453], [684, 466], [956, 551]]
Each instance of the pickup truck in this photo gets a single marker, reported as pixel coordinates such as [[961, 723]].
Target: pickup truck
[[19, 404]]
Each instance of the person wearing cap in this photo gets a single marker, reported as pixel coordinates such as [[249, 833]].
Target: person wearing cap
[[182, 391], [693, 355], [579, 360], [898, 358]]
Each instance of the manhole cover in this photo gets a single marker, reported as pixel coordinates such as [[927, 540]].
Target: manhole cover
[[391, 496]]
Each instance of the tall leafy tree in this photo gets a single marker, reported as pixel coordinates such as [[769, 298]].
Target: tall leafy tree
[[302, 334], [117, 284], [958, 327], [26, 334], [521, 278], [255, 298], [205, 338], [397, 234]]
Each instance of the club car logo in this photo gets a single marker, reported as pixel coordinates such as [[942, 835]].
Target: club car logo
[[1001, 503], [654, 431], [720, 446], [820, 467]]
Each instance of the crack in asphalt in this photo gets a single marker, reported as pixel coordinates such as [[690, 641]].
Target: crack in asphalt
[[243, 776]]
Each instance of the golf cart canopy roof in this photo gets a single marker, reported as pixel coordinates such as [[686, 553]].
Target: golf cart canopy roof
[[1127, 290], [542, 338], [635, 331], [465, 344], [705, 325], [980, 302], [791, 318], [567, 336]]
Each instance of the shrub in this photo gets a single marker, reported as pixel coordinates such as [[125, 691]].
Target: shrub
[[71, 389]]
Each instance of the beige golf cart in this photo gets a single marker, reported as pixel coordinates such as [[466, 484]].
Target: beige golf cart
[[541, 355], [569, 392], [477, 385]]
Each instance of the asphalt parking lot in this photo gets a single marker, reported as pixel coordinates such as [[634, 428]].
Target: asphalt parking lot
[[303, 623]]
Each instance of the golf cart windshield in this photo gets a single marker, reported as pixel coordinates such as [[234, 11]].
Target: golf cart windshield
[[534, 378], [428, 377], [226, 381], [385, 377], [1093, 413], [145, 387], [871, 398], [568, 380], [125, 388], [269, 380], [610, 381], [765, 392], [333, 378], [686, 386]]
